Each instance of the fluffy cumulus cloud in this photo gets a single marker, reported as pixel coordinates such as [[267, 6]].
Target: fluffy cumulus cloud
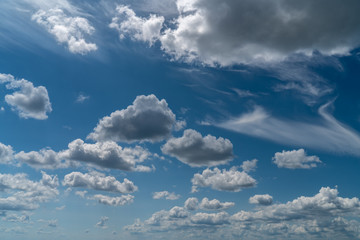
[[107, 154], [191, 203], [66, 29], [194, 149], [142, 29], [6, 154], [165, 194], [24, 194], [249, 165], [295, 159], [322, 216], [98, 181], [264, 199], [324, 132], [45, 159], [147, 119], [223, 180], [231, 31], [215, 204], [113, 201], [28, 101]]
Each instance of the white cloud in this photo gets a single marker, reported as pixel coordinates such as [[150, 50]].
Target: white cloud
[[230, 32], [264, 199], [295, 159], [249, 165], [215, 204], [29, 101], [82, 98], [194, 149], [66, 29], [325, 133], [6, 154], [24, 194], [225, 180], [81, 193], [147, 119], [211, 218], [113, 201], [107, 154], [191, 203], [98, 181], [141, 29], [165, 194], [45, 158], [102, 222]]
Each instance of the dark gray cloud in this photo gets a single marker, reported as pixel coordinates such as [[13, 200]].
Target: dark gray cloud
[[231, 31], [196, 150], [28, 101], [147, 119], [98, 181]]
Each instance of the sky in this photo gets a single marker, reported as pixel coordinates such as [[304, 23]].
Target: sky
[[202, 119]]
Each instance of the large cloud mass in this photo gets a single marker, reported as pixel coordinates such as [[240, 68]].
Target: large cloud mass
[[147, 119], [231, 31], [195, 150]]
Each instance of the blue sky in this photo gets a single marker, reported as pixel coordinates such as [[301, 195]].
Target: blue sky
[[200, 119]]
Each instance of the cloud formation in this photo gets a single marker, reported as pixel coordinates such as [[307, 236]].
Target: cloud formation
[[215, 204], [231, 32], [113, 201], [223, 180], [325, 133], [147, 119], [165, 194], [43, 159], [195, 150], [6, 154], [107, 154], [28, 101], [264, 199], [98, 181], [295, 159], [66, 29]]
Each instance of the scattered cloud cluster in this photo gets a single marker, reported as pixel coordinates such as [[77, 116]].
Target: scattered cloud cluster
[[28, 101], [295, 159], [6, 154], [196, 150], [273, 30], [66, 29], [223, 180], [324, 215], [24, 194], [147, 119], [113, 201], [165, 194]]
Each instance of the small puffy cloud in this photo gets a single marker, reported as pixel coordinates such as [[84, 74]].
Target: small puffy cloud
[[81, 193], [141, 29], [147, 119], [264, 199], [165, 194], [113, 201], [215, 204], [191, 203], [102, 222], [28, 101], [178, 212], [16, 218], [6, 154], [98, 181], [223, 180], [220, 218], [107, 154], [194, 149], [249, 165], [295, 159], [66, 30]]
